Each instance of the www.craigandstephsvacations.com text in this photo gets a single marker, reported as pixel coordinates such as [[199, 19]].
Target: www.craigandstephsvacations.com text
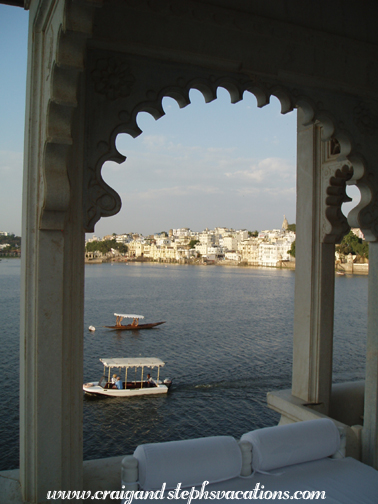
[[187, 495]]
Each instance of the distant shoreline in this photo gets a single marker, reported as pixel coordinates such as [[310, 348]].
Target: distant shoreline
[[348, 268], [225, 262]]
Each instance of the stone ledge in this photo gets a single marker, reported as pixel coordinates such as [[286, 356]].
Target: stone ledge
[[99, 474], [292, 409], [10, 489]]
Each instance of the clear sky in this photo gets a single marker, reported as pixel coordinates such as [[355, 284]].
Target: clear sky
[[207, 165], [13, 46]]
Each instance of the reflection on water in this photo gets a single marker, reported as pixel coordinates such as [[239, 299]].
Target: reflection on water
[[226, 342]]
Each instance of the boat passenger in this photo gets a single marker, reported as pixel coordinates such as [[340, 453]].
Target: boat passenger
[[118, 383], [150, 381], [135, 322], [114, 379]]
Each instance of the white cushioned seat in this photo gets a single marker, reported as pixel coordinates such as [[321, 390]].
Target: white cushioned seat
[[188, 462], [284, 445]]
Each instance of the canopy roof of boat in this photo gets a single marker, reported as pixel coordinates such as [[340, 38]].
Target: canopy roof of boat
[[128, 316], [133, 362]]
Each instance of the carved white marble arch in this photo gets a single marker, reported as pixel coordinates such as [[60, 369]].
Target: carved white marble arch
[[119, 86], [81, 95]]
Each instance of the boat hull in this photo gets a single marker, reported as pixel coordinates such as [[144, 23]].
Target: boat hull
[[93, 388], [129, 327]]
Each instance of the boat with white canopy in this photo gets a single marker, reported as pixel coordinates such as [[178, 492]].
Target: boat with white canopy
[[134, 326], [134, 383]]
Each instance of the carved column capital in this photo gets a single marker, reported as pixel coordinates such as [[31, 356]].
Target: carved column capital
[[334, 225], [365, 215], [66, 31]]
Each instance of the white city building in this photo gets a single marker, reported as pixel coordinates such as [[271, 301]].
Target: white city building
[[163, 242], [184, 253], [223, 230], [229, 242], [93, 239], [206, 238], [271, 253], [233, 255], [181, 232], [250, 250], [214, 252], [241, 235], [135, 248], [123, 238], [201, 248]]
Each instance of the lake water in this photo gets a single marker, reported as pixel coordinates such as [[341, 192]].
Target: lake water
[[226, 342]]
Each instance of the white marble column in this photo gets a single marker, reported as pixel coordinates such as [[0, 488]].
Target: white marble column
[[52, 283], [370, 431], [314, 286]]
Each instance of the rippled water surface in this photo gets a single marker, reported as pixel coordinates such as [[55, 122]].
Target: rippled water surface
[[227, 340]]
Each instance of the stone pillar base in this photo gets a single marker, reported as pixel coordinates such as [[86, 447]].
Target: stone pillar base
[[292, 409]]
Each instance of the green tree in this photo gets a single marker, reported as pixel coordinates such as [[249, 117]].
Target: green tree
[[292, 250], [13, 241], [105, 246], [291, 227], [192, 243], [122, 248], [351, 244], [253, 234]]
